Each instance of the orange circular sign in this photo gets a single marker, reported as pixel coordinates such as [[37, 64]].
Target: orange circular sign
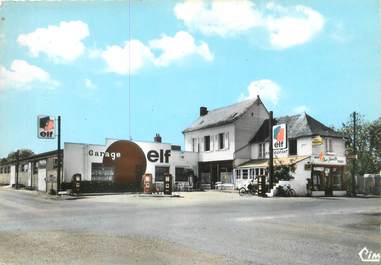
[[129, 163]]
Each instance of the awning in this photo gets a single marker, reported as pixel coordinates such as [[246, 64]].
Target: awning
[[282, 161]]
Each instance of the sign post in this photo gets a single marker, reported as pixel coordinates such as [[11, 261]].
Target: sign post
[[59, 155], [271, 151], [354, 160], [46, 130]]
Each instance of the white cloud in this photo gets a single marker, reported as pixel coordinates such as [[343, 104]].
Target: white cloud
[[169, 50], [89, 84], [23, 75], [118, 61], [300, 109], [293, 26], [178, 47], [284, 26], [223, 18], [62, 43], [268, 90]]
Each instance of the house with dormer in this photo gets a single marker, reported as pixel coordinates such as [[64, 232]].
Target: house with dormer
[[315, 151]]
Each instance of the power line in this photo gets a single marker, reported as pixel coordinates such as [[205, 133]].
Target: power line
[[129, 69]]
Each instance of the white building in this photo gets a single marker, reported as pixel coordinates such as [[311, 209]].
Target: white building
[[122, 163], [316, 152], [221, 139]]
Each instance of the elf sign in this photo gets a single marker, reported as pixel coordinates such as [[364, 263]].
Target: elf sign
[[279, 136], [46, 126]]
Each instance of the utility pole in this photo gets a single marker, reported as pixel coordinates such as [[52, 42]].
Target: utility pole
[[17, 169], [271, 155], [354, 154], [59, 162]]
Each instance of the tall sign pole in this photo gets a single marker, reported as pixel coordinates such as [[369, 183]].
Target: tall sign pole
[[271, 153], [17, 169], [59, 158], [354, 153]]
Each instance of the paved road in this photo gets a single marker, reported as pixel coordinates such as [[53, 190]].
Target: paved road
[[201, 228]]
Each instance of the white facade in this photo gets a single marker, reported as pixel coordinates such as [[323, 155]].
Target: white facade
[[195, 142], [331, 152], [330, 146], [236, 137], [78, 158]]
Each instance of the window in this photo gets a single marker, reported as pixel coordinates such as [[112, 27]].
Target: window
[[1, 170], [221, 141], [293, 147], [251, 175], [261, 151], [244, 173], [35, 167], [101, 173], [257, 172], [328, 145], [238, 174], [182, 174], [207, 143], [160, 172], [55, 163], [194, 145]]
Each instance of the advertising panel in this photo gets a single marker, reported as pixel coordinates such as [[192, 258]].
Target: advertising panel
[[280, 136], [46, 127], [317, 140]]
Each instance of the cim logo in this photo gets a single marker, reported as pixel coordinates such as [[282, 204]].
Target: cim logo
[[367, 255], [279, 136]]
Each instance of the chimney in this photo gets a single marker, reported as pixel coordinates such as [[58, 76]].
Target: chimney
[[157, 138], [203, 111]]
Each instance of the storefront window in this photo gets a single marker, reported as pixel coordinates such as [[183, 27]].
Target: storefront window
[[244, 173], [251, 174], [101, 173], [182, 174], [336, 178], [160, 172], [318, 180]]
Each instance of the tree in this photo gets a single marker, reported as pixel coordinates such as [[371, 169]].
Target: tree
[[368, 145], [23, 153], [283, 172]]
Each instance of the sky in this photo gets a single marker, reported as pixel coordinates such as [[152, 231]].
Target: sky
[[94, 62]]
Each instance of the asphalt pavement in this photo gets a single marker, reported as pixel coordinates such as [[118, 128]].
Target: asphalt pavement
[[195, 228]]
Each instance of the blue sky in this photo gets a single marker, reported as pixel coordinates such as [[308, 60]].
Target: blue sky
[[72, 59]]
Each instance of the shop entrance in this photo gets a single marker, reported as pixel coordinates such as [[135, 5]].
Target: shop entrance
[[327, 179], [210, 172]]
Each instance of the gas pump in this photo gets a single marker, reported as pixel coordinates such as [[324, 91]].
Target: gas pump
[[261, 185], [147, 183], [168, 184], [76, 183]]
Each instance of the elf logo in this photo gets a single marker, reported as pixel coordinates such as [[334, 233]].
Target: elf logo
[[279, 136], [161, 156]]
